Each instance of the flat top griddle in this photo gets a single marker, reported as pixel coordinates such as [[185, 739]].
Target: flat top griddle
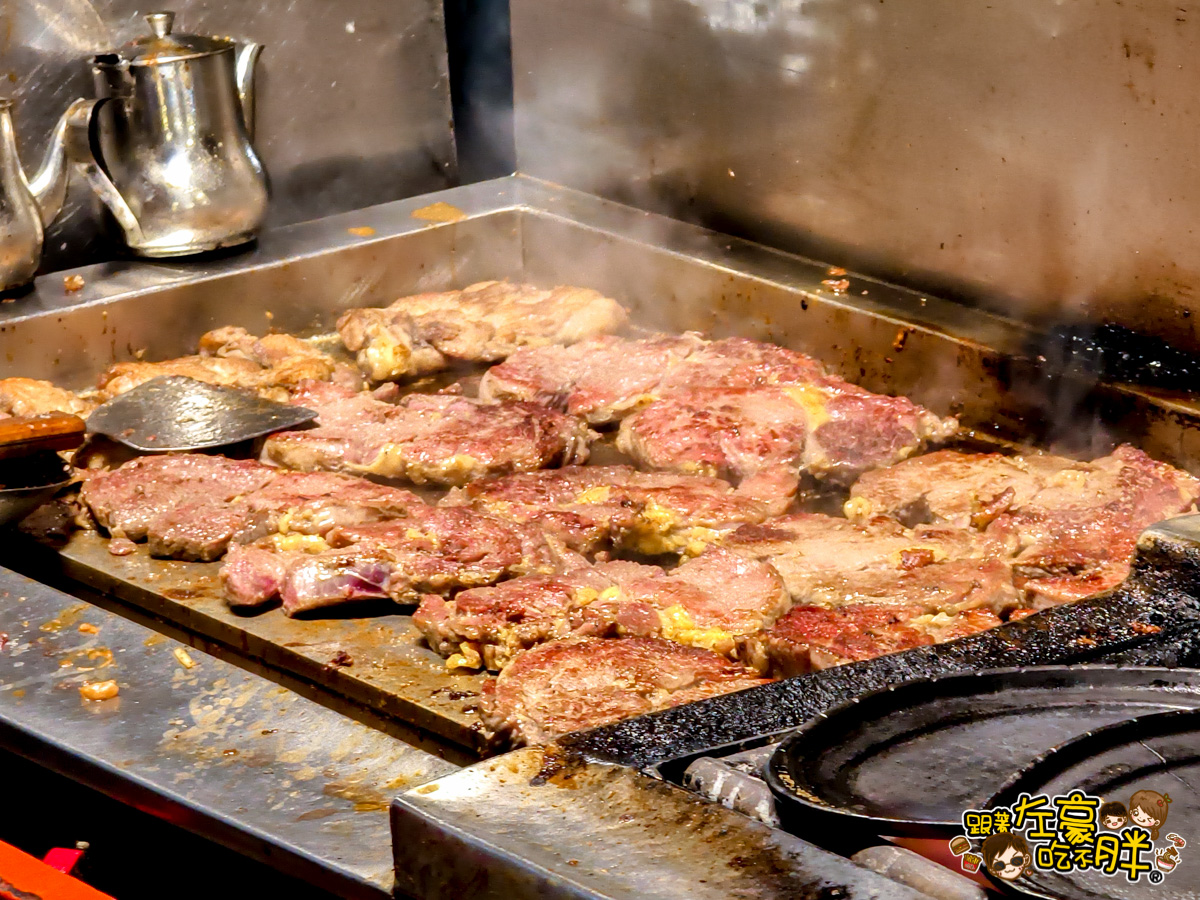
[[678, 276], [734, 290], [392, 671]]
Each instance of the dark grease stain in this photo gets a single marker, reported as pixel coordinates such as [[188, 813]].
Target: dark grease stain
[[559, 767]]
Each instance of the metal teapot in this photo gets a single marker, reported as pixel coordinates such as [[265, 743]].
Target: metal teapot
[[170, 154], [28, 206]]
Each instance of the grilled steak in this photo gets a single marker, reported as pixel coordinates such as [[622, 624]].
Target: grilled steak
[[591, 508], [607, 378], [706, 602], [272, 366], [483, 322], [809, 638], [31, 397], [191, 506], [733, 407], [864, 589], [601, 379], [571, 685], [431, 550], [833, 432], [829, 561], [439, 438], [1077, 523], [129, 501]]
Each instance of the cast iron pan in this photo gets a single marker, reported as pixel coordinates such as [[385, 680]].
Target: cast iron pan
[[1159, 752], [908, 760]]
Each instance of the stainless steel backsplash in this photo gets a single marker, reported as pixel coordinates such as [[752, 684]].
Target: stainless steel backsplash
[[1035, 156], [353, 106]]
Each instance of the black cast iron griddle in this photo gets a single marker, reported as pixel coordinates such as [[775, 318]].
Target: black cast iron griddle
[[173, 412], [1159, 752], [908, 760]]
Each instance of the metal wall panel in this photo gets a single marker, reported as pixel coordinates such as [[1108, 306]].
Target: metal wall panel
[[1038, 156], [353, 104]]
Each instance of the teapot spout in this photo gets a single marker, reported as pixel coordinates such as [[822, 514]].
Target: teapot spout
[[49, 185], [245, 60]]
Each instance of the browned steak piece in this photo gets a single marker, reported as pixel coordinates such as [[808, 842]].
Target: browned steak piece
[[572, 685], [734, 407], [864, 589], [233, 342], [740, 362], [191, 506], [272, 366], [439, 438], [607, 378], [124, 376], [829, 561], [483, 322], [1077, 523], [130, 501], [431, 550], [600, 379], [828, 429], [591, 508], [293, 505], [486, 626], [706, 602], [809, 638], [31, 397], [964, 489]]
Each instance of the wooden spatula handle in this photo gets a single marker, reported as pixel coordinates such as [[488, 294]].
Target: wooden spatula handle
[[22, 435]]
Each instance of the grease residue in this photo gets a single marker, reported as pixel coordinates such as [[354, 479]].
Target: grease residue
[[439, 213]]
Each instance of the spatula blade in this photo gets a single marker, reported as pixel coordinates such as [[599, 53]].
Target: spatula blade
[[175, 413]]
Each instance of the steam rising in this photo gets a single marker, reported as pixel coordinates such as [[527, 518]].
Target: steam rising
[[1030, 157]]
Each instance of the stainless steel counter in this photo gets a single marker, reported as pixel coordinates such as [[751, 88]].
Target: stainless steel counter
[[506, 828], [201, 742]]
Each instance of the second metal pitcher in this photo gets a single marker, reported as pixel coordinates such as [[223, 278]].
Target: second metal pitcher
[[170, 155], [29, 205]]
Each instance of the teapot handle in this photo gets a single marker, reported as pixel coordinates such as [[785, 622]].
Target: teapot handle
[[84, 152]]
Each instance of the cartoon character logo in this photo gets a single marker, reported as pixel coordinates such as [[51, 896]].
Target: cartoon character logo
[[1149, 810], [1113, 816], [1006, 855]]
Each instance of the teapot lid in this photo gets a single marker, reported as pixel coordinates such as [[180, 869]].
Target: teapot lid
[[161, 46]]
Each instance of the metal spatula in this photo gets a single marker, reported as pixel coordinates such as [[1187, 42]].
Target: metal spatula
[[172, 412]]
